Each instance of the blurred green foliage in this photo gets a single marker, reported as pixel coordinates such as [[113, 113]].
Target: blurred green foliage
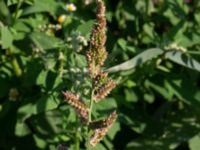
[[154, 48]]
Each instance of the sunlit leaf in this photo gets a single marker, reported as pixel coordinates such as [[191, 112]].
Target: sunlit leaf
[[194, 143], [42, 6], [46, 103], [43, 41], [6, 37], [86, 28], [137, 60], [183, 59], [21, 129]]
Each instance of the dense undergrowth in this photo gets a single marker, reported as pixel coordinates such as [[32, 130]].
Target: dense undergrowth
[[153, 47]]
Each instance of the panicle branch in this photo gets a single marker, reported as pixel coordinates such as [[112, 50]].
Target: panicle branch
[[102, 128], [104, 90], [75, 101]]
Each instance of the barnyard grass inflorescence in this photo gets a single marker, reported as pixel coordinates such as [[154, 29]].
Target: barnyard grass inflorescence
[[101, 84]]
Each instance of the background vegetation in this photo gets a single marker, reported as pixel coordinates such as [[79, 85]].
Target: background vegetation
[[154, 46]]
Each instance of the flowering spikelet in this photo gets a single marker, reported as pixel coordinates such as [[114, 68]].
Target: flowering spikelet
[[79, 106], [104, 122], [104, 90], [100, 79], [97, 54], [102, 128]]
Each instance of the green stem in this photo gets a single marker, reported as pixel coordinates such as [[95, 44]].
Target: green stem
[[90, 118], [61, 68], [87, 143], [77, 136], [91, 105], [16, 67], [90, 108]]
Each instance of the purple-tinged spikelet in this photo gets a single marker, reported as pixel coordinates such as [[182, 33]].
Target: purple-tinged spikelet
[[75, 101], [100, 79], [102, 128], [104, 90]]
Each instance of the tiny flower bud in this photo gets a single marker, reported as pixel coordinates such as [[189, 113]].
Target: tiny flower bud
[[70, 7], [61, 18], [13, 94]]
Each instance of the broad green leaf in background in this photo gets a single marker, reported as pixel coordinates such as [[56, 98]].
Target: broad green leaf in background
[[134, 124], [175, 56], [46, 103], [43, 41], [105, 106], [130, 95], [194, 143], [21, 30], [122, 43], [32, 72], [86, 28], [137, 60], [149, 97], [50, 6], [183, 59], [180, 128], [175, 8], [6, 37], [187, 40], [52, 80], [41, 79], [5, 15], [26, 111], [13, 2], [159, 88], [48, 124], [81, 61], [41, 143], [48, 80], [21, 129]]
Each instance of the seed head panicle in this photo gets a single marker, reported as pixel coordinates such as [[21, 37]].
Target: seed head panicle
[[98, 36], [101, 84], [97, 54], [75, 101], [102, 128]]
